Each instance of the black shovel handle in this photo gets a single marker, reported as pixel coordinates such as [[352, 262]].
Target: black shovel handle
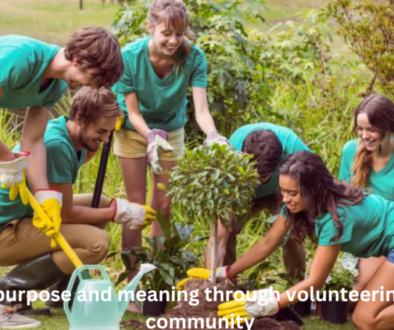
[[101, 172]]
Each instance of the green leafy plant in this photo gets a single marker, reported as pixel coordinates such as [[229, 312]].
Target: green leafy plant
[[368, 28], [343, 274], [168, 253], [213, 183]]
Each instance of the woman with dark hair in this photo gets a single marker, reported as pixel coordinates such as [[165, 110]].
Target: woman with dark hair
[[367, 163], [337, 217]]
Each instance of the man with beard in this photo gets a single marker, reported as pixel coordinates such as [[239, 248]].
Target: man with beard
[[35, 75], [70, 142]]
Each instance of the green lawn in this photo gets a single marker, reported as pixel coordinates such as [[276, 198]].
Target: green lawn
[[53, 20]]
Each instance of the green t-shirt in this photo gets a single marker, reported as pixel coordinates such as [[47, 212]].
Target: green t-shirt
[[290, 144], [380, 183], [368, 227], [63, 164], [162, 102], [23, 61]]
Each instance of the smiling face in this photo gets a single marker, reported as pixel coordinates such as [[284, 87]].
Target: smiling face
[[76, 78], [166, 40], [291, 193], [93, 134], [369, 134]]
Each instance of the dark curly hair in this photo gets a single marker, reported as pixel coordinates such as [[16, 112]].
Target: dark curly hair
[[266, 149]]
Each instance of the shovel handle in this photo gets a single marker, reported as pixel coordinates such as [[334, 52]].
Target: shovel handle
[[57, 237]]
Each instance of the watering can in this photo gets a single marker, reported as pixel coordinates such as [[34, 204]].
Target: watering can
[[98, 307]]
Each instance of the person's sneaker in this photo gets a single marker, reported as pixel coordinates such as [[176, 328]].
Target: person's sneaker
[[11, 320]]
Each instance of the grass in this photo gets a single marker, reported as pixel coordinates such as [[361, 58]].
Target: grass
[[53, 21]]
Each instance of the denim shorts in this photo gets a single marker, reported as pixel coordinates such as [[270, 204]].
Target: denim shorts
[[390, 257]]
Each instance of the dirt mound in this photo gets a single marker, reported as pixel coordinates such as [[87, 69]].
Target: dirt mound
[[206, 312]]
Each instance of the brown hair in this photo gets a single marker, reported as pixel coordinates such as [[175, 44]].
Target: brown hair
[[97, 50], [94, 103], [174, 15], [320, 192], [380, 112], [266, 149]]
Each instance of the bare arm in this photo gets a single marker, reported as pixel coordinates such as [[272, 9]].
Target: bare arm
[[203, 116], [33, 140], [323, 262], [5, 153], [135, 115], [72, 213], [262, 249]]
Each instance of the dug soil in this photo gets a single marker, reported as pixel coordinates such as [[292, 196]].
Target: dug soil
[[208, 310]]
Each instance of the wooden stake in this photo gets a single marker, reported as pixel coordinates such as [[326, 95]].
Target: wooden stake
[[214, 248]]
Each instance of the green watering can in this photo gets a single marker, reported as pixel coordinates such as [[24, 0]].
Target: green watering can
[[99, 307]]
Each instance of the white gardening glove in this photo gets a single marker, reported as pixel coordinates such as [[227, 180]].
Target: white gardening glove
[[12, 172], [215, 137], [157, 143], [133, 216], [257, 304], [12, 176]]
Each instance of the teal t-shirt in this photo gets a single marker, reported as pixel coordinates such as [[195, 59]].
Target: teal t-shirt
[[162, 102], [380, 183], [63, 164], [368, 227], [290, 144], [23, 61]]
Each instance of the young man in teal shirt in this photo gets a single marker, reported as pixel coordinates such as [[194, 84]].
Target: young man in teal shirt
[[34, 75], [270, 144], [69, 142]]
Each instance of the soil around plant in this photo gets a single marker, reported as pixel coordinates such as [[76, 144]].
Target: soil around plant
[[208, 310]]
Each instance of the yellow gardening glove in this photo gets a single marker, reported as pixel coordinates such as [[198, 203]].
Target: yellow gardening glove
[[253, 305], [119, 123], [204, 274], [51, 203], [134, 216], [13, 175], [18, 188]]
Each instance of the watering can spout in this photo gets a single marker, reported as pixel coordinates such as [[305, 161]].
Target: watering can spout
[[122, 301]]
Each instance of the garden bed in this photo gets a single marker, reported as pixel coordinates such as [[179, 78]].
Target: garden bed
[[207, 310]]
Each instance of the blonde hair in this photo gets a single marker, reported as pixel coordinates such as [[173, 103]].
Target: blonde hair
[[174, 15]]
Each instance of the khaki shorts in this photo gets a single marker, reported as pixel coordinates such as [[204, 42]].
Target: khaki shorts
[[130, 144]]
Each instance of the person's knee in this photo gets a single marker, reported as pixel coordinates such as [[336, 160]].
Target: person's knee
[[99, 246], [363, 321]]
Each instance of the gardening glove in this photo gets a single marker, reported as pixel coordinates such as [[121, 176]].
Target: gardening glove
[[204, 274], [51, 203], [157, 143], [215, 137], [255, 304], [134, 216], [119, 123], [13, 176]]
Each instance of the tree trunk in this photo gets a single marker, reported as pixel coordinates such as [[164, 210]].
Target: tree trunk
[[214, 248], [80, 4]]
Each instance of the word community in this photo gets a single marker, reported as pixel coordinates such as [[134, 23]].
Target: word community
[[198, 323]]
